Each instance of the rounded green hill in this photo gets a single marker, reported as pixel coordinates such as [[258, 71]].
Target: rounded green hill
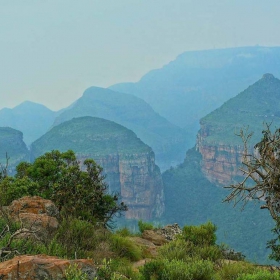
[[89, 136], [252, 108]]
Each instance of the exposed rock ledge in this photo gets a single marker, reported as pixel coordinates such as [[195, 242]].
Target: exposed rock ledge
[[40, 267]]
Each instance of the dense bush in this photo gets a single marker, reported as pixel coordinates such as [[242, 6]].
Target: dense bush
[[144, 226], [176, 269], [260, 275], [125, 248], [58, 176], [203, 235]]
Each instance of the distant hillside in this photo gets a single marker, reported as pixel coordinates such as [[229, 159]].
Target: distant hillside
[[167, 140], [192, 199], [197, 82], [128, 163], [88, 135], [221, 149], [11, 142], [31, 118]]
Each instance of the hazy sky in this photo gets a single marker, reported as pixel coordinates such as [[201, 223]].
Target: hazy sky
[[52, 50]]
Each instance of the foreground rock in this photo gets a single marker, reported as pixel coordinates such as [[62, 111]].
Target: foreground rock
[[163, 235], [36, 214], [42, 267]]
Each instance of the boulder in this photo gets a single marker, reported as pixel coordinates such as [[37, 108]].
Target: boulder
[[170, 231], [42, 267], [163, 235], [35, 213], [155, 238], [146, 245]]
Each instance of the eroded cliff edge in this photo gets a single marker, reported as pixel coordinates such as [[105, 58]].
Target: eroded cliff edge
[[217, 139], [128, 163]]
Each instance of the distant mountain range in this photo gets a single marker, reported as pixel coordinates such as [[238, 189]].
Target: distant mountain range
[[197, 82], [167, 140], [31, 118]]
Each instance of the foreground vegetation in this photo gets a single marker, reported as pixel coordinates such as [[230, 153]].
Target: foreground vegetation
[[86, 210]]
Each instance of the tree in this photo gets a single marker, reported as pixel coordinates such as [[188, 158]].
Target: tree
[[261, 169], [58, 176]]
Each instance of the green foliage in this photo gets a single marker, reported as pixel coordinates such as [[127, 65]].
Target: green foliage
[[125, 248], [106, 272], [177, 269], [232, 271], [197, 200], [196, 242], [260, 275], [80, 238], [144, 226], [13, 188], [73, 272], [124, 232], [203, 235], [57, 176]]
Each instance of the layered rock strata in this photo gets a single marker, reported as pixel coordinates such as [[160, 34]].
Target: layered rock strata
[[128, 163]]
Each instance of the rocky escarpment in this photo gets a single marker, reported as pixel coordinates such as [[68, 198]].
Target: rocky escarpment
[[128, 163], [12, 146], [217, 142], [220, 162], [137, 179]]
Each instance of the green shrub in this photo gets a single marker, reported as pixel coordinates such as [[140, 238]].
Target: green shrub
[[232, 271], [124, 232], [260, 275], [176, 269], [80, 238], [202, 235], [144, 226], [106, 272], [125, 248], [73, 272], [180, 249]]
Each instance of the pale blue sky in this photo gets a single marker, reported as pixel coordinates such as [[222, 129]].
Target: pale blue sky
[[52, 50]]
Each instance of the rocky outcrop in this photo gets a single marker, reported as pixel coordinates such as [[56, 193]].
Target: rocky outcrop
[[220, 162], [12, 148], [128, 163], [35, 213], [217, 142], [138, 181], [39, 267], [161, 236]]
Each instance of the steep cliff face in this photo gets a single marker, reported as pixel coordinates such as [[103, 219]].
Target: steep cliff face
[[138, 181], [128, 163], [220, 162], [11, 143], [220, 148]]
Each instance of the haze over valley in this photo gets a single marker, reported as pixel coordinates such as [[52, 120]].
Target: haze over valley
[[159, 102]]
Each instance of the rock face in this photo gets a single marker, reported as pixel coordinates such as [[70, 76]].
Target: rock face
[[35, 213], [41, 267], [128, 163], [11, 143], [217, 142], [137, 179], [220, 162]]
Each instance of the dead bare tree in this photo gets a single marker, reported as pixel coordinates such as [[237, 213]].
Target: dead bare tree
[[261, 169]]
